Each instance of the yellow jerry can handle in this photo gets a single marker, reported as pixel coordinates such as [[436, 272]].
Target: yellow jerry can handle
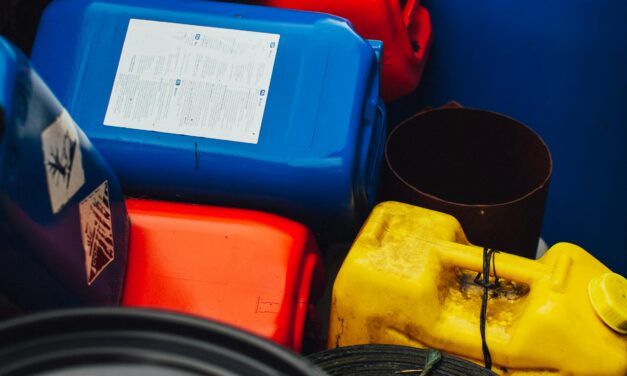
[[431, 229]]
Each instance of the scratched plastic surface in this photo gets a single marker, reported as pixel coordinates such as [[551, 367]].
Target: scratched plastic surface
[[409, 280], [321, 140], [246, 268], [48, 258]]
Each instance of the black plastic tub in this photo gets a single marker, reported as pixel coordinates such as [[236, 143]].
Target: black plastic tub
[[488, 170], [117, 341]]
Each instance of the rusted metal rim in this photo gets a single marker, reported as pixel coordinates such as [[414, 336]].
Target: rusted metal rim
[[434, 197], [488, 170]]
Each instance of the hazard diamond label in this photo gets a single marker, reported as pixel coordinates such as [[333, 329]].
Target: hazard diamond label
[[97, 231], [62, 161]]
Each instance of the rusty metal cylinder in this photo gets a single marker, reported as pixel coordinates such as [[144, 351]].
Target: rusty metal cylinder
[[488, 170]]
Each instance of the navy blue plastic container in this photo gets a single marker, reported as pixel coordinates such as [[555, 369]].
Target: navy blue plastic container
[[223, 103], [63, 223]]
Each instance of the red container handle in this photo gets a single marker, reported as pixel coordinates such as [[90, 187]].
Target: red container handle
[[419, 30], [411, 6]]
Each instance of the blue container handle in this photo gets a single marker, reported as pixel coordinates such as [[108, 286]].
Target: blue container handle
[[376, 154], [372, 142]]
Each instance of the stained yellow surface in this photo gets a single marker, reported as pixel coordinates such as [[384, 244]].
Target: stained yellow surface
[[409, 279]]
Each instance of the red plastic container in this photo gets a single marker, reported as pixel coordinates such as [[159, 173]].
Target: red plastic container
[[404, 27], [245, 268]]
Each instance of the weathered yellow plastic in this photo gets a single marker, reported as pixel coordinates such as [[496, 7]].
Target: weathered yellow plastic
[[408, 280]]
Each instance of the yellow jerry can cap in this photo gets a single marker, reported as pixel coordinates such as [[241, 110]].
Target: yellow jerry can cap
[[608, 295]]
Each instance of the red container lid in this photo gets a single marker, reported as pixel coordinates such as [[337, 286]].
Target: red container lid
[[245, 268], [404, 27]]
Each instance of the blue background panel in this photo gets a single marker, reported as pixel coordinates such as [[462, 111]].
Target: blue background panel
[[561, 68]]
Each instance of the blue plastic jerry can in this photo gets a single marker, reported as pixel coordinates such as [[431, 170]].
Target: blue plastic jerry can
[[63, 223], [223, 103]]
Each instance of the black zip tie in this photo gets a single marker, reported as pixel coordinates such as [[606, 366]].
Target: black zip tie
[[488, 254]]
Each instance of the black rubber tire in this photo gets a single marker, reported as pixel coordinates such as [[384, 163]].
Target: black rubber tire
[[7, 308], [115, 341], [389, 360]]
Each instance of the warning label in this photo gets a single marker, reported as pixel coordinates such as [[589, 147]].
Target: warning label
[[193, 80], [97, 232], [62, 161]]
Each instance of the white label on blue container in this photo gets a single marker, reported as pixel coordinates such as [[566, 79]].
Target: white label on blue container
[[62, 160], [193, 80]]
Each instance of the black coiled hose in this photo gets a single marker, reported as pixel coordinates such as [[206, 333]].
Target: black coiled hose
[[391, 360]]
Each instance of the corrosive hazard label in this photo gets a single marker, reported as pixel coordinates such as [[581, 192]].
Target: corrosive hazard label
[[97, 232], [62, 161]]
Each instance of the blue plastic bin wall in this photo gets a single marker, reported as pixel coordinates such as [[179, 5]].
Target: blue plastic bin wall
[[223, 103], [559, 67], [63, 223]]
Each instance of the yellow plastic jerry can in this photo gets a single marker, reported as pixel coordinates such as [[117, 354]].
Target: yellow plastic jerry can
[[410, 279]]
